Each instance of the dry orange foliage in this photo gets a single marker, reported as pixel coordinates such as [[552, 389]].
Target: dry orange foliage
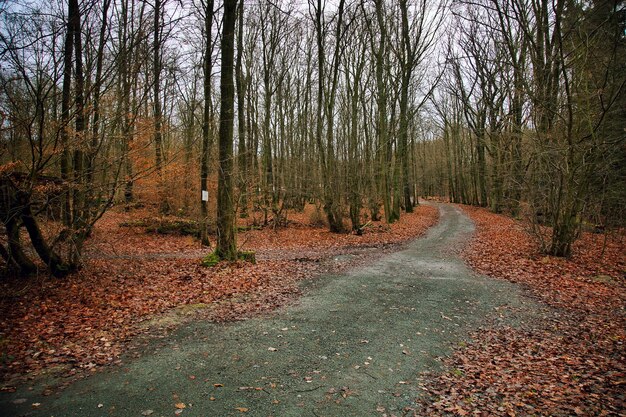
[[571, 361], [87, 320]]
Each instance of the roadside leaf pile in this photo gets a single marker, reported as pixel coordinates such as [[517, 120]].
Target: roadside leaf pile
[[133, 279], [570, 362]]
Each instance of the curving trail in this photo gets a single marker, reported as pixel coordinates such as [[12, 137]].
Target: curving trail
[[353, 346]]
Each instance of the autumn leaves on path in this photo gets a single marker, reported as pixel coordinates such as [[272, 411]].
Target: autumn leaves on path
[[369, 341], [134, 281], [353, 346], [572, 361]]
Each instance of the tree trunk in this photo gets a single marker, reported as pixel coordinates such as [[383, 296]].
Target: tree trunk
[[406, 69], [384, 143], [72, 15], [242, 165], [206, 122], [226, 237], [158, 111], [124, 80], [95, 131], [15, 255], [79, 219], [57, 266], [332, 201]]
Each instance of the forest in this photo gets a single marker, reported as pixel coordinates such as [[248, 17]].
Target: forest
[[214, 111], [399, 207]]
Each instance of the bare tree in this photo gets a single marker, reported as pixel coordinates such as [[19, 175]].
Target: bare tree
[[226, 238], [207, 67]]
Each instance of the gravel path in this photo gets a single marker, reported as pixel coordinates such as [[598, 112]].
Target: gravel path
[[354, 345]]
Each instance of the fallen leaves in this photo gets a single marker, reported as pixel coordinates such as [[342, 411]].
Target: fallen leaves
[[129, 278], [571, 361]]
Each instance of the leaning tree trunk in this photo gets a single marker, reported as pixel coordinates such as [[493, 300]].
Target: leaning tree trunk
[[14, 254], [55, 263]]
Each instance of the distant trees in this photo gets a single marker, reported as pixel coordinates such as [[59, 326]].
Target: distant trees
[[356, 106], [328, 79], [529, 111], [311, 127]]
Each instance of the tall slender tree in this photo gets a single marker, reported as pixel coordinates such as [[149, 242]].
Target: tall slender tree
[[226, 237], [207, 67]]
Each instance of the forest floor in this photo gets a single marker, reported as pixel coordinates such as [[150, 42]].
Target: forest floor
[[572, 362], [354, 344], [135, 283], [545, 337]]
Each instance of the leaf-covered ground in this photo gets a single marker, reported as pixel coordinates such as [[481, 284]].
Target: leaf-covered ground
[[135, 282], [573, 362]]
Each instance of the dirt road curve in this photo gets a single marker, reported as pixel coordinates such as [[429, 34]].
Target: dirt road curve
[[354, 345]]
